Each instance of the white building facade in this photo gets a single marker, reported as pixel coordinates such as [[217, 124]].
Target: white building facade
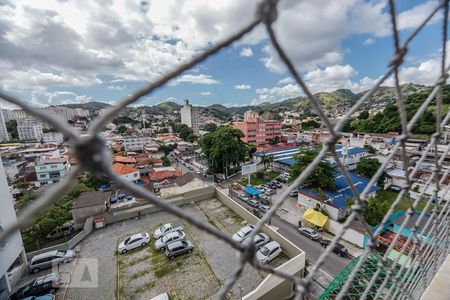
[[12, 254], [30, 132], [53, 138], [51, 170], [190, 116], [137, 143], [4, 136]]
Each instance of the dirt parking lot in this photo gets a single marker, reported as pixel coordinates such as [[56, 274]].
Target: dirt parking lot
[[144, 272]]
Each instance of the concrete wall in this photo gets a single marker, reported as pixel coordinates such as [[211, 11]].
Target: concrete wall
[[272, 287], [81, 214], [177, 200], [350, 235], [70, 244]]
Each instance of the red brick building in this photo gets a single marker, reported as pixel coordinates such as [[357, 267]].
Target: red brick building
[[256, 130]]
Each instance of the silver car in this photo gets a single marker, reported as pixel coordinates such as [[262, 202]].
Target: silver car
[[260, 240], [48, 259], [243, 233], [171, 237]]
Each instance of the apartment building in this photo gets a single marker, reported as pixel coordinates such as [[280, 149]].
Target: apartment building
[[137, 143], [13, 259], [4, 136], [190, 116], [53, 138], [51, 170], [30, 131], [256, 130]]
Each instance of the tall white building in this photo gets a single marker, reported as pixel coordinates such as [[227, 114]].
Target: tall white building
[[3, 132], [136, 143], [30, 132], [13, 258], [190, 116]]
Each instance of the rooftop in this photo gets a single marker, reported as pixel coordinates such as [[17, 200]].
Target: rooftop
[[124, 159], [87, 199], [343, 191], [122, 169]]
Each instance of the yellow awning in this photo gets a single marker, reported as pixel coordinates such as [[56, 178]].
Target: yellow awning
[[315, 217]]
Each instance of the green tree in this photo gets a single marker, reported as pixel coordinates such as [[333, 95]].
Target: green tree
[[192, 138], [310, 124], [376, 209], [210, 127], [367, 167], [166, 161], [363, 115], [276, 140], [166, 149], [321, 177], [11, 127], [267, 160], [121, 129], [224, 148]]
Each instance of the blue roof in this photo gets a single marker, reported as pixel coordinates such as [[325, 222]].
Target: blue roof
[[350, 150], [343, 191], [251, 190]]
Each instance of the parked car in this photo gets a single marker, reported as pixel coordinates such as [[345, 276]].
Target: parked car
[[268, 252], [179, 248], [170, 237], [269, 192], [264, 208], [43, 297], [134, 241], [163, 296], [309, 233], [260, 240], [287, 175], [273, 185], [339, 249], [278, 184], [294, 194], [253, 203], [48, 259], [243, 233], [62, 230], [166, 228], [38, 287], [264, 201], [243, 197], [283, 179]]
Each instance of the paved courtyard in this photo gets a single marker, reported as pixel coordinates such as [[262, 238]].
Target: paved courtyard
[[144, 273]]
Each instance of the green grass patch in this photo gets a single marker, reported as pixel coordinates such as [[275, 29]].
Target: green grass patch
[[259, 178], [137, 260], [161, 265], [144, 287], [387, 195], [138, 274]]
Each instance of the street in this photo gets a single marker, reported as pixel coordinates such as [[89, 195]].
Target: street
[[333, 263]]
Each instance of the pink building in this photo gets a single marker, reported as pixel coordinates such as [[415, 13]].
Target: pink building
[[256, 130]]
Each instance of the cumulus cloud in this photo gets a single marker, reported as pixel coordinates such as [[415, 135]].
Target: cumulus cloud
[[246, 52], [116, 87], [194, 79], [277, 93], [242, 87], [368, 41], [205, 93]]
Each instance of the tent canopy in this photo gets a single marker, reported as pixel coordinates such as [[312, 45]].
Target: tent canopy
[[315, 217], [251, 190]]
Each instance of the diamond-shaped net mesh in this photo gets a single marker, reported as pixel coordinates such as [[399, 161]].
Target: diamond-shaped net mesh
[[388, 279]]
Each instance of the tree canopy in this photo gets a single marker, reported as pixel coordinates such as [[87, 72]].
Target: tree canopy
[[166, 149], [367, 167], [323, 175], [224, 148], [210, 127]]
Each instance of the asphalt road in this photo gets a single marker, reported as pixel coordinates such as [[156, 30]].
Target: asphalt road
[[333, 263]]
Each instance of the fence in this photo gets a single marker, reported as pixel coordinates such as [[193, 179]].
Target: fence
[[93, 156]]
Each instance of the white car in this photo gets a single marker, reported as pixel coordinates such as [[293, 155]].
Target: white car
[[134, 241], [260, 240], [243, 233], [268, 252], [171, 237]]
